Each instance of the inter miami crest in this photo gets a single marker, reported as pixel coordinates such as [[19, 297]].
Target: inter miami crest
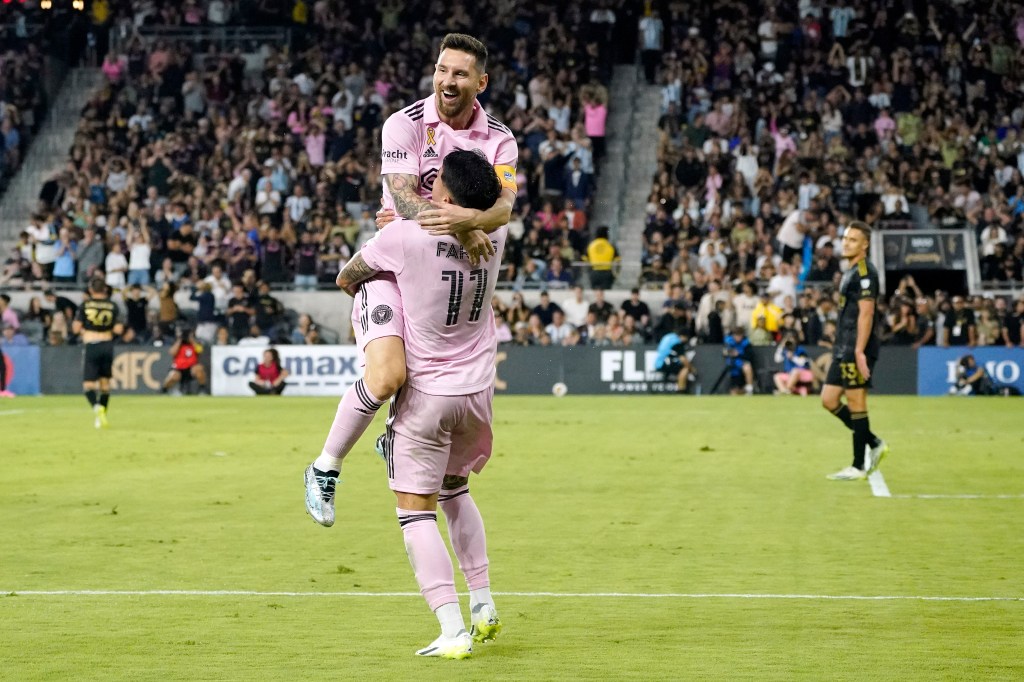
[[382, 314]]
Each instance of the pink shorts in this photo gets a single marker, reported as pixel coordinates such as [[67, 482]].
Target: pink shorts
[[430, 436], [377, 311]]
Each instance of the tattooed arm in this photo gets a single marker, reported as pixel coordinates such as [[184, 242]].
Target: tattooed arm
[[403, 188], [353, 274]]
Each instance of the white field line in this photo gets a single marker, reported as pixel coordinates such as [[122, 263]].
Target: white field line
[[569, 595], [878, 486], [966, 496], [7, 413]]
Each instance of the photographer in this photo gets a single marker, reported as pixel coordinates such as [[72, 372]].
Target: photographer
[[674, 357], [971, 379], [796, 375], [737, 359], [185, 365]]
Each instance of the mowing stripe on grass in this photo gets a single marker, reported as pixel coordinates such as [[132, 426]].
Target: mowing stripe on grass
[[570, 595], [878, 486]]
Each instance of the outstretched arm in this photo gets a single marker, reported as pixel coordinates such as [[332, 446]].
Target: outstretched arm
[[355, 272]]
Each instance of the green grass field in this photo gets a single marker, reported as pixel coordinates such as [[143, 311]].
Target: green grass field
[[696, 498]]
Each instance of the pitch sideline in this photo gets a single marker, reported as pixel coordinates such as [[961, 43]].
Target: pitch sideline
[[564, 595]]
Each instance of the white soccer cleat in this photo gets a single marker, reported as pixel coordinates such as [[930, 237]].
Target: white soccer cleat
[[850, 473], [320, 487], [876, 455], [458, 647], [485, 623]]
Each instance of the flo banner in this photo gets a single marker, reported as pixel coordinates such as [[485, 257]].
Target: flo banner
[[312, 370], [937, 367]]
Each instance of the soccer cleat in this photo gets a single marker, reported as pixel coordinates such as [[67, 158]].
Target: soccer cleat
[[485, 623], [876, 455], [458, 647], [850, 473], [378, 445], [320, 486], [6, 394]]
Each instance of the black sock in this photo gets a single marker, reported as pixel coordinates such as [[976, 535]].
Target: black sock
[[861, 430], [104, 399], [90, 395], [842, 413]]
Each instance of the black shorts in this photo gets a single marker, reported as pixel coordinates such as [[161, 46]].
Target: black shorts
[[788, 252], [843, 372], [99, 361]]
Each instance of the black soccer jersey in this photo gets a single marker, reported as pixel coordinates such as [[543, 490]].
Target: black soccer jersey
[[859, 283], [98, 315]]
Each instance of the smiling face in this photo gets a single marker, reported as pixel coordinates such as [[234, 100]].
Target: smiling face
[[457, 82]]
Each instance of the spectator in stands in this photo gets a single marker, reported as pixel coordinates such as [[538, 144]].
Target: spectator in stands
[[576, 307], [8, 316], [545, 310], [960, 328], [636, 308]]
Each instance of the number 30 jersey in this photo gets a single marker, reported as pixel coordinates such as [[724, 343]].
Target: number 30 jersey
[[99, 315], [450, 342]]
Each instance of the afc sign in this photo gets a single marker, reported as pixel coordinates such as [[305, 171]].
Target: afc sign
[[135, 371]]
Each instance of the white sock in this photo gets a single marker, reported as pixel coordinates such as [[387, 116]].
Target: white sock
[[327, 462], [481, 596], [450, 617]]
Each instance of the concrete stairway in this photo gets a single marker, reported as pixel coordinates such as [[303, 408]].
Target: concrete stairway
[[48, 152], [628, 166]]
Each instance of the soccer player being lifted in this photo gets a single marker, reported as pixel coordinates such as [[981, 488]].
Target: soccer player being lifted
[[854, 355], [414, 143], [439, 426], [97, 323]]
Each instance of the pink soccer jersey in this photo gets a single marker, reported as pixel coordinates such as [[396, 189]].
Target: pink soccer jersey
[[414, 141], [450, 344]]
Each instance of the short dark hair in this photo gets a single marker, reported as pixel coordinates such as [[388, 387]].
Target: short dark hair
[[862, 227], [468, 44], [98, 285], [471, 179]]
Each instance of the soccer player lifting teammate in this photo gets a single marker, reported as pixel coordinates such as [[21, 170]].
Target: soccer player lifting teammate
[[97, 322], [414, 143], [439, 426], [854, 355]]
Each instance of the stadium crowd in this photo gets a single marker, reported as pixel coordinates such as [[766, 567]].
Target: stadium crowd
[[202, 176], [781, 123], [22, 101], [195, 169]]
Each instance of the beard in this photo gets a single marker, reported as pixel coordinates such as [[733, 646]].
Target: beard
[[452, 108]]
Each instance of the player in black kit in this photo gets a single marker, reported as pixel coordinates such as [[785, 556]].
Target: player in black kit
[[854, 355], [97, 323]]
